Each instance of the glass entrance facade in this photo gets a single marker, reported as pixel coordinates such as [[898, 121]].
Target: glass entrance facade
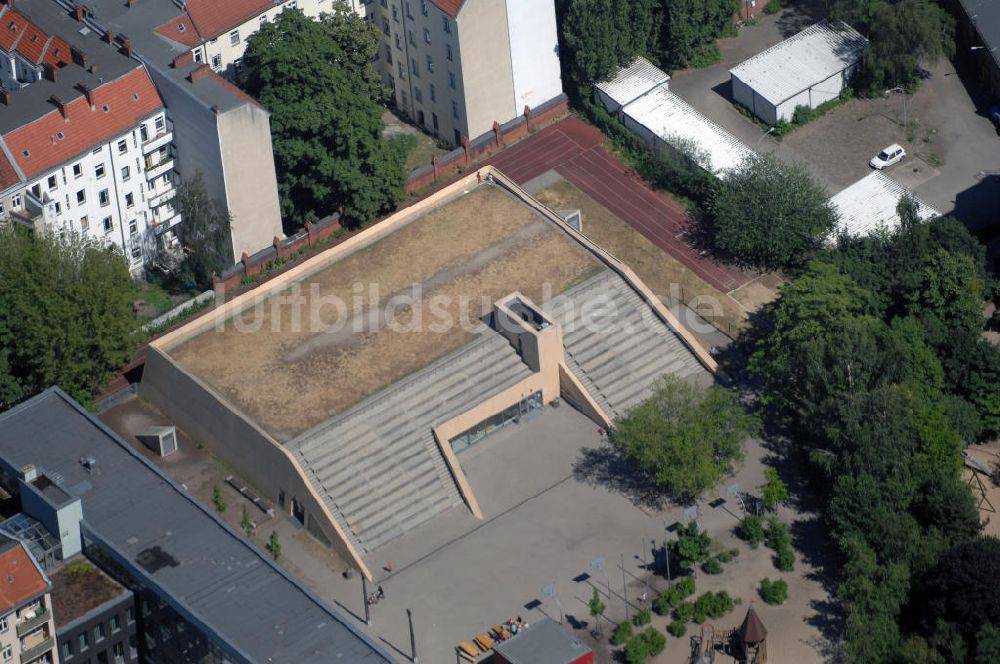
[[471, 436]]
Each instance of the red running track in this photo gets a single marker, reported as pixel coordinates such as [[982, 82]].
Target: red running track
[[575, 150]]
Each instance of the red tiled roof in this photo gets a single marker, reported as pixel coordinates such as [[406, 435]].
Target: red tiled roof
[[12, 26], [128, 99], [8, 176], [59, 53], [181, 30], [449, 7], [21, 35], [214, 18], [20, 580]]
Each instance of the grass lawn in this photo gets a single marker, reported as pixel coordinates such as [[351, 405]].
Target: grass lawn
[[424, 146]]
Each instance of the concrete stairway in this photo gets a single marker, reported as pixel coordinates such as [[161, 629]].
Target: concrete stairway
[[378, 467], [619, 354]]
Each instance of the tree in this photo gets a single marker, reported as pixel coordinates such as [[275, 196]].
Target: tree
[[773, 491], [205, 232], [274, 545], [690, 27], [325, 124], [596, 607], [596, 39], [685, 437], [218, 500], [961, 589], [66, 314], [692, 544], [773, 592], [245, 523], [768, 213]]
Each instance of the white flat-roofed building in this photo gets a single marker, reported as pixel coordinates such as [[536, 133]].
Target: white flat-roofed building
[[807, 69], [630, 83], [870, 204]]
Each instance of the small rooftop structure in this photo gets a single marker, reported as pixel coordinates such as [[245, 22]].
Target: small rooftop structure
[[78, 588], [870, 204], [629, 83], [544, 642], [21, 579], [640, 95], [807, 69]]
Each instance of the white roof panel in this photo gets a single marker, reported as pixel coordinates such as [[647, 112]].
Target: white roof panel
[[671, 118], [630, 83], [870, 204], [801, 61]]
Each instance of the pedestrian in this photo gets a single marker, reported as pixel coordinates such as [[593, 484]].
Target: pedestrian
[[388, 568], [381, 593]]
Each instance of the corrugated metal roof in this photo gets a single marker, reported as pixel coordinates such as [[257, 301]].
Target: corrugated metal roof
[[671, 118], [801, 61], [870, 204], [630, 83]]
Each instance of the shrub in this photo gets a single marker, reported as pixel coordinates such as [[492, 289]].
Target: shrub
[[777, 536], [785, 559], [636, 651], [674, 595], [662, 604], [711, 566], [642, 618], [751, 530], [684, 611], [773, 592], [692, 545], [712, 605], [728, 556], [622, 634], [773, 7], [677, 628], [685, 586], [655, 642]]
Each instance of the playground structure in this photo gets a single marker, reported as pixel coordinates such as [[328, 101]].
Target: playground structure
[[746, 644], [979, 469]]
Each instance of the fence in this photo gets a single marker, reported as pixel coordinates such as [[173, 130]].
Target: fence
[[487, 144]]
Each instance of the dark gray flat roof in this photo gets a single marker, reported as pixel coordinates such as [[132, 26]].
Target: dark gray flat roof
[[544, 642], [32, 102], [209, 573], [985, 15]]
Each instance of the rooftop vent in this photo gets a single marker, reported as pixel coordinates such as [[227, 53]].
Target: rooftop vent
[[88, 462]]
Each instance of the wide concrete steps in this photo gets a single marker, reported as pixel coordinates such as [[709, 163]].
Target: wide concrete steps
[[378, 467], [616, 344]]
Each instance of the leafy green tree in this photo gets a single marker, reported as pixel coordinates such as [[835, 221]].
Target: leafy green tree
[[768, 213], [773, 592], [66, 314], [690, 28], [218, 500], [685, 437], [961, 589], [692, 544], [205, 232], [622, 634], [751, 530], [773, 491], [274, 545], [246, 523], [326, 122], [597, 607], [987, 645], [596, 39]]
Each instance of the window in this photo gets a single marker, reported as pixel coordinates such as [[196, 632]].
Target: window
[[216, 61], [3, 624], [427, 36], [81, 197], [418, 95], [399, 43], [409, 14], [136, 255], [67, 650], [8, 653], [98, 149], [198, 55], [263, 19], [118, 649], [423, 7], [129, 200], [99, 171], [122, 146], [116, 623], [36, 190], [1, 214], [388, 54], [451, 80], [395, 13], [446, 25], [108, 227], [434, 120], [129, 615], [413, 40], [160, 124], [401, 69], [15, 201], [77, 170], [99, 632], [454, 109], [58, 208], [53, 182], [430, 64], [143, 133], [104, 198], [413, 67], [447, 52], [433, 93], [84, 224], [83, 641], [234, 37], [385, 26], [125, 174]]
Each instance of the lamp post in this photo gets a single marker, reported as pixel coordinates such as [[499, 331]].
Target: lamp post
[[769, 130], [903, 92]]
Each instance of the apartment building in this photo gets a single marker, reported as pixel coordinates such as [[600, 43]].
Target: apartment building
[[457, 66], [27, 632], [85, 144]]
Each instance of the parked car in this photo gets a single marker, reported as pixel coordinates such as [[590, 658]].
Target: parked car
[[887, 157]]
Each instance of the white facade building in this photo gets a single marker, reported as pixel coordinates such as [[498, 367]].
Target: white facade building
[[807, 69]]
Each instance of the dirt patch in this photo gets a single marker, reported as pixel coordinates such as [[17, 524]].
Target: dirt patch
[[78, 587], [757, 293], [666, 276], [290, 364]]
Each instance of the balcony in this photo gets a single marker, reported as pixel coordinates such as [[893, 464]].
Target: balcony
[[43, 647], [158, 199], [157, 142], [29, 624], [163, 221], [159, 169]]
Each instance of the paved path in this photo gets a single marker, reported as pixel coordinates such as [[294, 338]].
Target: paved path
[[575, 150]]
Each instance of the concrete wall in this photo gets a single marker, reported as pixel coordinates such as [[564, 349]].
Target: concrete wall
[[745, 95], [250, 179], [258, 458], [486, 73], [534, 52]]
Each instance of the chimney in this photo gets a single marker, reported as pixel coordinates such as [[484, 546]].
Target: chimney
[[59, 103], [201, 72], [5, 97], [79, 57], [184, 60], [92, 69], [130, 3], [126, 46], [109, 37], [80, 12], [88, 93], [50, 72], [29, 472]]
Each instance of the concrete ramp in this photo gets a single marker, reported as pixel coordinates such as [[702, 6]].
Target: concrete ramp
[[615, 344], [378, 467]]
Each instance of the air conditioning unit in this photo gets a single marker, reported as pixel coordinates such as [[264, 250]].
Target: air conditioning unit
[[162, 440]]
